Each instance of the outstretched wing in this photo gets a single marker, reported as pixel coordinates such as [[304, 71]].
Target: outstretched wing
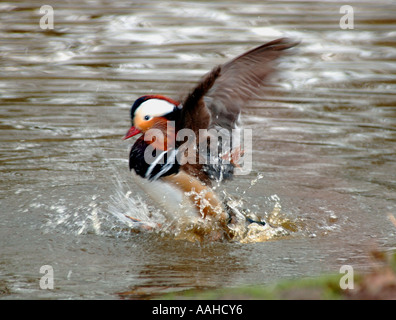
[[216, 102], [218, 99], [242, 79]]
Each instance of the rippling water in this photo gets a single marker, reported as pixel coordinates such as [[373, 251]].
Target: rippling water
[[324, 141]]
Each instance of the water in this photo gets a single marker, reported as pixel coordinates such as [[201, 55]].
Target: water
[[324, 142]]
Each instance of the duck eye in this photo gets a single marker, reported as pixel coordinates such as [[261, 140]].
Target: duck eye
[[146, 118]]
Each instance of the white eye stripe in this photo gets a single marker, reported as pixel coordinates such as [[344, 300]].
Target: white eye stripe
[[154, 108]]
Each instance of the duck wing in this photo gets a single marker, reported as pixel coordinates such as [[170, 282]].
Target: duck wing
[[216, 102], [218, 99]]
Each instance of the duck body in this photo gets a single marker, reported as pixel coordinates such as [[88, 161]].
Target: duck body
[[176, 144]]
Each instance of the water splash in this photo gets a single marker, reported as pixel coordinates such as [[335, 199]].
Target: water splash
[[245, 225], [170, 216], [249, 226], [128, 212]]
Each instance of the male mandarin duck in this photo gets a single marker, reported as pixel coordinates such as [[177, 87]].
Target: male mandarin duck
[[215, 103]]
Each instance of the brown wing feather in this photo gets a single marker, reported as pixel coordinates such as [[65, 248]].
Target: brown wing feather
[[220, 96], [194, 114], [241, 79], [218, 99]]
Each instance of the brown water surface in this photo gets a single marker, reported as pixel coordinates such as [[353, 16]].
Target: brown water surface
[[324, 141]]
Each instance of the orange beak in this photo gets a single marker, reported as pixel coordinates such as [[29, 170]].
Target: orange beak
[[131, 132]]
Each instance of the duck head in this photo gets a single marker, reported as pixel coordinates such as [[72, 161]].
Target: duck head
[[148, 110]]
